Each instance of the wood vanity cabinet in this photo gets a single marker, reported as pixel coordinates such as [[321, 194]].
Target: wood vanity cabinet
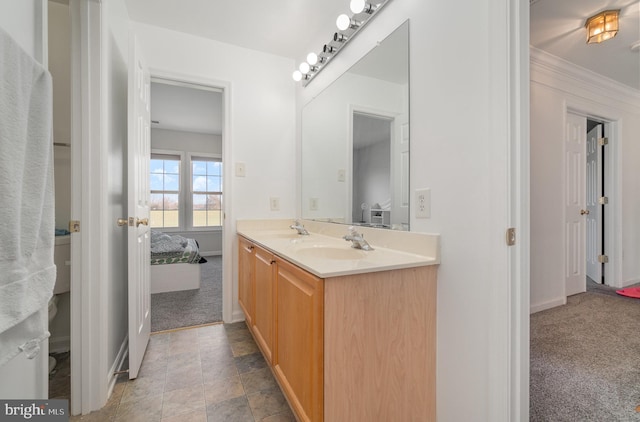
[[246, 268], [347, 348]]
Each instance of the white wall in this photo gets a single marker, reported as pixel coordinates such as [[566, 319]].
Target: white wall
[[460, 149], [23, 378], [210, 242], [20, 20], [557, 86], [262, 120]]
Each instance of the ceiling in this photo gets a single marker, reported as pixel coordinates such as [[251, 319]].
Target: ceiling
[[291, 28], [281, 27], [186, 108], [557, 26]]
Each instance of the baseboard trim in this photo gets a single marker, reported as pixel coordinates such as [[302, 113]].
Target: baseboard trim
[[210, 253], [548, 305], [237, 316], [628, 283], [59, 344], [112, 378]]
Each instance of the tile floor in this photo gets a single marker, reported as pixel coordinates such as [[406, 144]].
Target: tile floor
[[205, 374]]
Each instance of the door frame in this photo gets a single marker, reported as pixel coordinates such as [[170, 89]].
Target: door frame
[[89, 385], [612, 165], [376, 113], [228, 232]]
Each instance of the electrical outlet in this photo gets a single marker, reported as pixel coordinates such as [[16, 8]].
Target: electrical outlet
[[341, 175], [423, 203], [240, 170], [313, 204], [275, 203]]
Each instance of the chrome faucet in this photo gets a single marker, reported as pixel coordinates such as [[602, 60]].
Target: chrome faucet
[[357, 240], [300, 228]]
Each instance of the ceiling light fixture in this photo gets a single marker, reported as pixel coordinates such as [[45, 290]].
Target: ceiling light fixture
[[360, 6], [348, 26], [602, 26]]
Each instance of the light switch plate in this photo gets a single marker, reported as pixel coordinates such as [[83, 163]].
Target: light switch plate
[[423, 203], [341, 175], [240, 170]]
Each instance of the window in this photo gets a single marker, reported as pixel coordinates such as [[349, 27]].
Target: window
[[206, 189], [164, 204]]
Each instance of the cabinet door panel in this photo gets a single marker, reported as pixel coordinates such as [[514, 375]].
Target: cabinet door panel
[[298, 360], [263, 321]]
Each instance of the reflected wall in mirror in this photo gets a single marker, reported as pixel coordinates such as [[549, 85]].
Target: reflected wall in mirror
[[355, 142]]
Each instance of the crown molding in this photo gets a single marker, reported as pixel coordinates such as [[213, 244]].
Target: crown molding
[[560, 74]]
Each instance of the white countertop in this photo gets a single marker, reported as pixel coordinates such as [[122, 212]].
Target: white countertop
[[325, 254]]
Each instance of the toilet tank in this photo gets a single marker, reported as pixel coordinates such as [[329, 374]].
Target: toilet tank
[[62, 259]]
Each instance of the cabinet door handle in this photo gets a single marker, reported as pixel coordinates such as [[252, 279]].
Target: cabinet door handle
[[248, 248], [273, 261]]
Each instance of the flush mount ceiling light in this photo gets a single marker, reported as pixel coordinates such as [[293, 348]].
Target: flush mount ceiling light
[[602, 26], [348, 26]]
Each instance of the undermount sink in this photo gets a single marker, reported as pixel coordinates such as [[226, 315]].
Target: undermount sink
[[330, 252]]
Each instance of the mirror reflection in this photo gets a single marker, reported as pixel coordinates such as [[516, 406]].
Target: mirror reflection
[[355, 142]]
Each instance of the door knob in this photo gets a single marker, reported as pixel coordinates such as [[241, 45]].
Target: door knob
[[584, 212], [122, 222], [143, 221]]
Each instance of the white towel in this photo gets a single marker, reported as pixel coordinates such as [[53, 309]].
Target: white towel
[[27, 271]]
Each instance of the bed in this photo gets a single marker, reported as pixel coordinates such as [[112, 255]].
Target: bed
[[174, 263]]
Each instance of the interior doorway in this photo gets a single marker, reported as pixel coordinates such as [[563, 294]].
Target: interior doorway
[[60, 311], [596, 200], [585, 201], [186, 202]]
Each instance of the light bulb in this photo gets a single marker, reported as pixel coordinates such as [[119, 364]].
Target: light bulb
[[297, 76], [304, 67], [312, 58], [357, 6], [343, 22]]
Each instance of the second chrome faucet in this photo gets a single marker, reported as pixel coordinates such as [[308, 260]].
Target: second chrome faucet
[[357, 240]]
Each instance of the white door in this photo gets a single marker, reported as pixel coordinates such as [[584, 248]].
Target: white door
[[594, 191], [575, 157], [138, 209]]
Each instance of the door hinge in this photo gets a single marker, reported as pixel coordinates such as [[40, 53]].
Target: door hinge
[[511, 236], [603, 141], [603, 200], [603, 259], [74, 226]]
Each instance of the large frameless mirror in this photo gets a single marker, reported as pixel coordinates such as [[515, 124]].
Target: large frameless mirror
[[355, 142]]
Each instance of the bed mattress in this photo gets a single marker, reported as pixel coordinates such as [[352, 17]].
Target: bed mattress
[[173, 249]]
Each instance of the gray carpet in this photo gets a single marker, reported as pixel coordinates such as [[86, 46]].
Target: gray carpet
[[188, 308], [585, 359]]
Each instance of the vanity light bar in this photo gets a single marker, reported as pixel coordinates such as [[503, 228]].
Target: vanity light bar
[[339, 39]]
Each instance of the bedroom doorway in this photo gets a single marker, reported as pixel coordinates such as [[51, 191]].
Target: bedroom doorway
[[186, 204]]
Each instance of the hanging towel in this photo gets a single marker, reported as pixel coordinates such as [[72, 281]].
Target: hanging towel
[[27, 271]]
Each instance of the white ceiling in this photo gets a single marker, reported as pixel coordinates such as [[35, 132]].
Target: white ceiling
[[186, 109], [281, 27], [557, 26]]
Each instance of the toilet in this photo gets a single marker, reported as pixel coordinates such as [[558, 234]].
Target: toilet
[[53, 310]]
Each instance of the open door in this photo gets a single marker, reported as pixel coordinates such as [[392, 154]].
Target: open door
[[575, 212], [138, 208], [594, 208]]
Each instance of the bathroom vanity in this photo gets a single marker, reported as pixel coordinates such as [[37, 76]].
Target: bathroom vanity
[[349, 334]]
